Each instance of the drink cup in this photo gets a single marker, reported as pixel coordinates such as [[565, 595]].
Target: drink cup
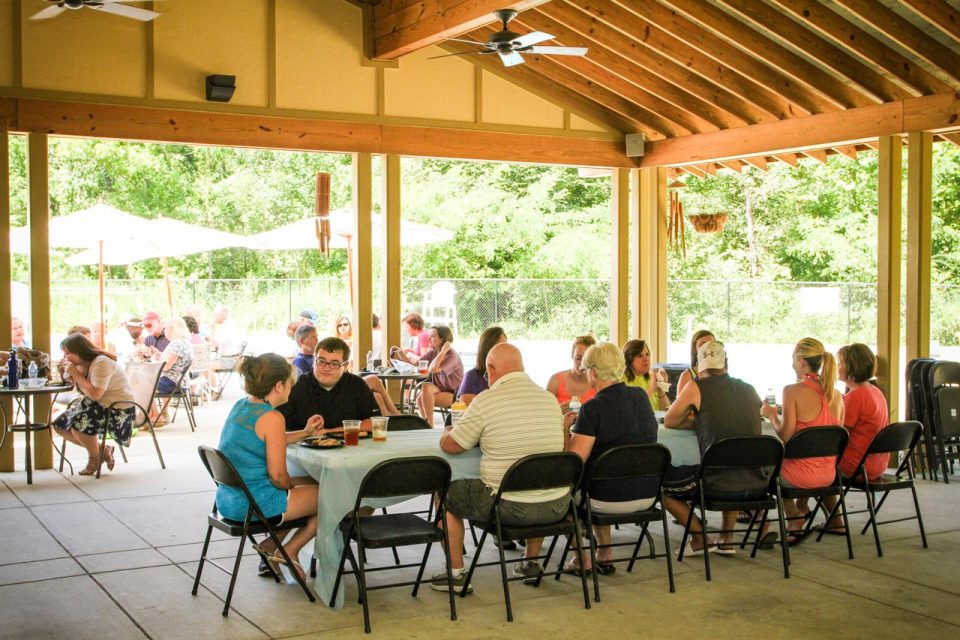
[[351, 432], [379, 428], [423, 366]]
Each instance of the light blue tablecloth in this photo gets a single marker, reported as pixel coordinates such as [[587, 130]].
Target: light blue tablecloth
[[340, 472], [682, 443]]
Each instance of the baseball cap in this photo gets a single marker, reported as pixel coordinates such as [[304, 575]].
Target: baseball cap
[[309, 315], [151, 315], [711, 355]]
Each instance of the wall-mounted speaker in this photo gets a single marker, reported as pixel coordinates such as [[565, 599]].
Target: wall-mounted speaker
[[220, 88], [634, 142]]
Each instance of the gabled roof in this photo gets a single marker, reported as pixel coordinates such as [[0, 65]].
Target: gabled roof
[[676, 68]]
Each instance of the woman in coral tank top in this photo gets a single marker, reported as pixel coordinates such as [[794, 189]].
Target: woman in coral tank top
[[811, 402]]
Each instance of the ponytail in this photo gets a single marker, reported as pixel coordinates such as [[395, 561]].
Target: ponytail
[[262, 373], [828, 377]]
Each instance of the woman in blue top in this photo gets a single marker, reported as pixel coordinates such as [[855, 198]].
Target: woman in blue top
[[255, 440]]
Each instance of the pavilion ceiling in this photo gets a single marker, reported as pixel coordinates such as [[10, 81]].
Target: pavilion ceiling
[[675, 68]]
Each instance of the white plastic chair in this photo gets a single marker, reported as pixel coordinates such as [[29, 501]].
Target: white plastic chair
[[439, 306]]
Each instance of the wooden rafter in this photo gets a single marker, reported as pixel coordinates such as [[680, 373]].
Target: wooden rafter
[[939, 13], [759, 162], [820, 155], [403, 26], [912, 78], [904, 33]]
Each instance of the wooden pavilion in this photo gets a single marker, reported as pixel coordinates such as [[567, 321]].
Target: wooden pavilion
[[709, 84]]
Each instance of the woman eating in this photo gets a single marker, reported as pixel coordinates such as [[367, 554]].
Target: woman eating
[[638, 373], [618, 415], [573, 381], [254, 439], [811, 402], [101, 381], [475, 380], [699, 339]]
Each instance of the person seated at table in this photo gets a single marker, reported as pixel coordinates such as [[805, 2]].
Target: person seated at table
[[308, 316], [194, 328], [254, 439], [865, 414], [573, 382], [490, 421], [156, 335], [812, 402], [700, 338], [617, 415], [101, 381], [177, 358], [475, 380], [638, 373], [376, 338], [445, 369], [82, 329], [227, 339], [413, 322], [18, 334], [306, 337], [717, 406], [343, 329], [330, 391]]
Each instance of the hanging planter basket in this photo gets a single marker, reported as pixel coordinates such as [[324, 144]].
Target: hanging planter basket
[[708, 222]]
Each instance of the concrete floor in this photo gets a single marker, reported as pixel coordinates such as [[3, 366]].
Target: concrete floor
[[85, 558]]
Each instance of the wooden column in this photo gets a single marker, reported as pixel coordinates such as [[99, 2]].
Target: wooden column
[[619, 255], [39, 216], [919, 216], [636, 273], [363, 258], [6, 452], [652, 260], [390, 199], [889, 219]]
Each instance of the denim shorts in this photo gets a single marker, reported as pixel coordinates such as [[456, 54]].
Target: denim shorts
[[473, 500]]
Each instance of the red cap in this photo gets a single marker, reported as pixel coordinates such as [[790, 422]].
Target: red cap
[[151, 315]]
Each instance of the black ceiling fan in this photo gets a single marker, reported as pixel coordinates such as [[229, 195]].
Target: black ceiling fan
[[107, 6], [509, 45]]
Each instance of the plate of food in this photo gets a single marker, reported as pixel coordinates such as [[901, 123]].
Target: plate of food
[[321, 443], [339, 435]]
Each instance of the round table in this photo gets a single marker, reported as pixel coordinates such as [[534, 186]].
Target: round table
[[22, 397]]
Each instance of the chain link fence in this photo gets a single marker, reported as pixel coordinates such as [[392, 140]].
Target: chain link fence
[[740, 311]]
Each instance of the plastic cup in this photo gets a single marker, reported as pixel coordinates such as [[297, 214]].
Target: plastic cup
[[423, 366], [380, 428], [351, 432]]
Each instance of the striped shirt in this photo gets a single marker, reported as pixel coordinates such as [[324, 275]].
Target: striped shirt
[[513, 419]]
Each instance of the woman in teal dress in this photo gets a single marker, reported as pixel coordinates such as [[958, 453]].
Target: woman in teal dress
[[254, 439]]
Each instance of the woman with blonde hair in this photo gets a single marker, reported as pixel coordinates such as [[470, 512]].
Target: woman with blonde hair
[[177, 358], [811, 402], [343, 329]]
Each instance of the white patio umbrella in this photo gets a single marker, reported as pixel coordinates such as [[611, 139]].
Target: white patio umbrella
[[302, 234]]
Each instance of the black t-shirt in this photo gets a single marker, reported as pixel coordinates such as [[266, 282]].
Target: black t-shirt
[[350, 399], [616, 416]]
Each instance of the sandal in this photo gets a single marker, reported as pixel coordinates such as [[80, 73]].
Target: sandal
[[275, 560], [108, 454], [769, 541], [91, 468], [606, 568], [576, 570]]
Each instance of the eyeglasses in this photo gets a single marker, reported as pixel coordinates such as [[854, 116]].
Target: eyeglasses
[[344, 324], [147, 325], [323, 364]]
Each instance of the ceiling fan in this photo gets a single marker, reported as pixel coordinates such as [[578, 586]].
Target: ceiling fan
[[107, 6], [509, 45]]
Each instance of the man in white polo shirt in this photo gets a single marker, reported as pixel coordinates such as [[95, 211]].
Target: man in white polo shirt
[[513, 419]]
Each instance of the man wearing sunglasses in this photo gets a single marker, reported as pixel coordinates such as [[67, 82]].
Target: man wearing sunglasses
[[331, 391], [153, 327]]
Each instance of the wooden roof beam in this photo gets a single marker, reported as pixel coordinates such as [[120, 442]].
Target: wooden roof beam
[[733, 165], [905, 34], [939, 13], [820, 155], [790, 158], [913, 78], [401, 27], [849, 150], [758, 162], [818, 90], [938, 114]]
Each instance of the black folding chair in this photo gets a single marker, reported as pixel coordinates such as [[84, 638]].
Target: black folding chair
[[535, 472], [426, 475], [944, 413], [816, 442], [254, 522], [755, 453], [408, 422], [181, 394], [646, 463], [916, 410], [896, 437], [224, 375]]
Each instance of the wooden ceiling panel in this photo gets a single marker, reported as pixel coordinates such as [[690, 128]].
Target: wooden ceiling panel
[[939, 13]]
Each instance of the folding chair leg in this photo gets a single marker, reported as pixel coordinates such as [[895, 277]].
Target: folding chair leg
[[473, 563], [156, 444], [593, 562], [636, 551], [703, 536], [873, 521], [784, 547], [203, 558], [442, 517], [583, 574], [233, 576], [916, 506], [423, 566], [362, 584], [339, 578], [503, 574], [667, 551], [846, 524]]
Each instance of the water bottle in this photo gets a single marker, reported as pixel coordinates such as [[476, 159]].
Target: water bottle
[[13, 371], [370, 364], [456, 412], [770, 398], [32, 371], [575, 404]]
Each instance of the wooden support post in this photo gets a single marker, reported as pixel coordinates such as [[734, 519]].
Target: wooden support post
[[652, 259], [39, 199], [390, 201], [619, 255], [919, 216], [888, 271], [363, 258], [636, 272], [6, 452]]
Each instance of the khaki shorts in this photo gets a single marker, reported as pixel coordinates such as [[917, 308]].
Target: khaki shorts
[[473, 500]]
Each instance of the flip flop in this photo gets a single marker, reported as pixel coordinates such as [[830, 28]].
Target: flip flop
[[726, 549], [744, 517], [796, 537], [769, 541], [689, 551], [831, 531], [576, 570], [606, 568]]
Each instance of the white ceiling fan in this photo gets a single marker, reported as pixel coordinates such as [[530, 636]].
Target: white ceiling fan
[[509, 45], [107, 6]]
